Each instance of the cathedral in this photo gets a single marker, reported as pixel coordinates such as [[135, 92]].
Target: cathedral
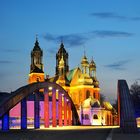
[[80, 82]]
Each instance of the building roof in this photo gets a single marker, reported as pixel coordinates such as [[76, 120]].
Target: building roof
[[91, 102], [85, 79], [71, 73], [37, 47], [84, 61], [92, 64], [107, 105], [36, 70], [61, 49]]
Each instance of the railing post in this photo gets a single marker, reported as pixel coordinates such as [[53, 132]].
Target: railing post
[[5, 122], [46, 108], [65, 111], [53, 107], [36, 110], [69, 113], [60, 108], [24, 113]]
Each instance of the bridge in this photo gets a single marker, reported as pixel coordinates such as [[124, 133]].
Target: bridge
[[65, 104], [127, 120]]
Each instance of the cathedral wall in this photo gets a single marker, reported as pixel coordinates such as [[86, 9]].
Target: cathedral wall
[[34, 77], [80, 93]]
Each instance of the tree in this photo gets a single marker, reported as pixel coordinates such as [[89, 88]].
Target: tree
[[135, 94], [135, 90], [102, 99]]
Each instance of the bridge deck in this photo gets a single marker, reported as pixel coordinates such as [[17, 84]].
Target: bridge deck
[[68, 133]]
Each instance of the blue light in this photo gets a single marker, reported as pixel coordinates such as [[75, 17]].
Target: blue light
[[5, 122], [36, 111], [24, 114]]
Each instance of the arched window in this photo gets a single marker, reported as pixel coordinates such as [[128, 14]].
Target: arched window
[[38, 79], [87, 94], [94, 94], [95, 116], [82, 116], [86, 117]]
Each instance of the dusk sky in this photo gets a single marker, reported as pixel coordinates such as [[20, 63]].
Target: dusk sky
[[107, 29]]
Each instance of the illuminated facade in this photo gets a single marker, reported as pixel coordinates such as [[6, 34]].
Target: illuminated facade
[[81, 83]]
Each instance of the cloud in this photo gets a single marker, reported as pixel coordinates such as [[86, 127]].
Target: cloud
[[5, 62], [52, 50], [78, 39], [107, 33], [120, 65], [111, 15], [70, 39]]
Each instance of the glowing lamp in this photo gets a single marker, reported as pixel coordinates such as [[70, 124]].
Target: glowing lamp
[[50, 88]]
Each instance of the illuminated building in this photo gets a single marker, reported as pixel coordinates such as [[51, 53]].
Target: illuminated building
[[81, 84], [36, 68]]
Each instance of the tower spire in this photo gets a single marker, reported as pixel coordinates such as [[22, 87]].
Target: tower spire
[[62, 53], [36, 37], [61, 39], [84, 52]]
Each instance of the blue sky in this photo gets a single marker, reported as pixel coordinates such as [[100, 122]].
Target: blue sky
[[107, 29]]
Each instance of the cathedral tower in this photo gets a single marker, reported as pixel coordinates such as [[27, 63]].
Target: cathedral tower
[[36, 68], [84, 64], [62, 55], [92, 69], [36, 57]]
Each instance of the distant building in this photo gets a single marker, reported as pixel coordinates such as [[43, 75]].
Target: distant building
[[81, 84]]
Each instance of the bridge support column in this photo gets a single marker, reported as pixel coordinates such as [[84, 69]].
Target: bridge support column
[[127, 112], [53, 107], [69, 113], [46, 108], [5, 122], [60, 108], [65, 111], [36, 111], [24, 114]]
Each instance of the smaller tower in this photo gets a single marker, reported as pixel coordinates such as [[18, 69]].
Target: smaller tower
[[62, 53], [92, 73], [84, 64], [36, 67], [92, 69]]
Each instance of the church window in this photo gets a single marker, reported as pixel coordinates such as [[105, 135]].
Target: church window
[[94, 94], [87, 94], [37, 79], [95, 116], [86, 117]]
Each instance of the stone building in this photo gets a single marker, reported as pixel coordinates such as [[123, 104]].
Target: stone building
[[81, 83]]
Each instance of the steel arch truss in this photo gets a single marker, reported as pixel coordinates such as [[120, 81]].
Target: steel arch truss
[[20, 95]]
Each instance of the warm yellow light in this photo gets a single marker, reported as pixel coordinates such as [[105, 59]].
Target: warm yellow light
[[77, 127], [50, 88]]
